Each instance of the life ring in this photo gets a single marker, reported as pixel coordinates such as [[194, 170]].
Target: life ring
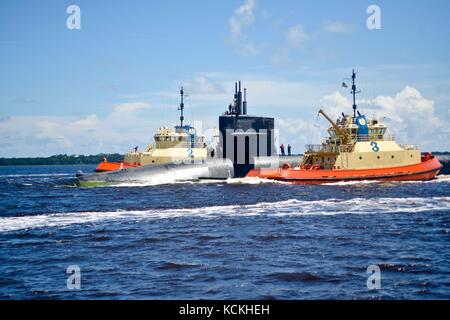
[[427, 156]]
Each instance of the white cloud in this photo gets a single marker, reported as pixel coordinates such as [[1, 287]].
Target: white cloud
[[338, 27], [214, 91], [202, 84], [296, 36], [299, 132], [203, 89], [130, 106], [336, 103], [126, 114], [410, 117], [242, 18], [47, 135], [88, 122]]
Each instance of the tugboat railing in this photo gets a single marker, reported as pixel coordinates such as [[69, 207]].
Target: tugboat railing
[[175, 144], [409, 147], [313, 148], [372, 137], [319, 148]]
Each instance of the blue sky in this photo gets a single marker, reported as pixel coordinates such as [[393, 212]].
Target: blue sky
[[108, 86]]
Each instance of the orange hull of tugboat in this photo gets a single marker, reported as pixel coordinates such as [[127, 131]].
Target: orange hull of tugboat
[[426, 170], [113, 166]]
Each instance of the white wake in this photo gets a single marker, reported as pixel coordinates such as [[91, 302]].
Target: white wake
[[291, 207]]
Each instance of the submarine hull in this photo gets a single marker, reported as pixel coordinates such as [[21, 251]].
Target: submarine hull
[[276, 162], [160, 174]]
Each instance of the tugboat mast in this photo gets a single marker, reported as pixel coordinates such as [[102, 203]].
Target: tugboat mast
[[181, 106], [354, 92]]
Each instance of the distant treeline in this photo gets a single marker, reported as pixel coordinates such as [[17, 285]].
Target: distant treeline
[[60, 159], [438, 153], [95, 159]]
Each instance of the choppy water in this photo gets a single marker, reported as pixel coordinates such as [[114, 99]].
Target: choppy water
[[239, 239]]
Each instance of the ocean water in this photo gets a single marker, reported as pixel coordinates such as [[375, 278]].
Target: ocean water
[[235, 239]]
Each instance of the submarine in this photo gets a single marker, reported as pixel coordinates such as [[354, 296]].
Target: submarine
[[246, 142]]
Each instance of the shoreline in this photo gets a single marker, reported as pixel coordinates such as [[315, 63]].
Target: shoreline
[[96, 159], [60, 159]]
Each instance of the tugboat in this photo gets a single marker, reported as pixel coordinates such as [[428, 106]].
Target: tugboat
[[357, 149], [182, 143]]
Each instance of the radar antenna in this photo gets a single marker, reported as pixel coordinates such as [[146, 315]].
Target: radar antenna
[[181, 108], [354, 92]]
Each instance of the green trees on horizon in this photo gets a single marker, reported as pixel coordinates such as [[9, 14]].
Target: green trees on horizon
[[61, 159]]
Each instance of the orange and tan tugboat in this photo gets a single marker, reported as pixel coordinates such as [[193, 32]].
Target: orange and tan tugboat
[[357, 149], [172, 145]]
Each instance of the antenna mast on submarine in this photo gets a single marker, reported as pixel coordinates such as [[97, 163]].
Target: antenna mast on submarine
[[244, 104], [239, 103]]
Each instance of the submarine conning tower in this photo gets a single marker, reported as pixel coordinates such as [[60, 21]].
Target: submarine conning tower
[[244, 137]]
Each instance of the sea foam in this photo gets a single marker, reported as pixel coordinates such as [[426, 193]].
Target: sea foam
[[292, 207]]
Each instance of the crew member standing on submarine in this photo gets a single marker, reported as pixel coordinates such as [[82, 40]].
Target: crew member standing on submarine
[[282, 150]]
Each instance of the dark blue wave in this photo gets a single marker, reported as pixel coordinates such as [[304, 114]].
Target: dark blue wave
[[221, 240]]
